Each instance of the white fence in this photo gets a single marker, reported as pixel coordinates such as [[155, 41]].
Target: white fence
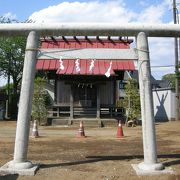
[[164, 104]]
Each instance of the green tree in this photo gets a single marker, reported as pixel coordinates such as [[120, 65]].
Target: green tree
[[170, 77], [12, 52], [132, 100], [39, 111], [7, 20]]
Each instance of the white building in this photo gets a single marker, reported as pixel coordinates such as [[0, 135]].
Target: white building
[[163, 97], [164, 104]]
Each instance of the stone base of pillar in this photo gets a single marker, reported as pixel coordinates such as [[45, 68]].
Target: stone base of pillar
[[99, 122], [151, 169], [70, 121], [24, 168]]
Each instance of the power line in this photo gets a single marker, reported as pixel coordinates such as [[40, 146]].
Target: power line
[[162, 66]]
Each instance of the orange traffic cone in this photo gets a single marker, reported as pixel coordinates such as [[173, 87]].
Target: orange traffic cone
[[81, 133], [35, 133], [120, 130]]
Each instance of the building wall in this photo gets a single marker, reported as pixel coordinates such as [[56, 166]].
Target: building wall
[[173, 106], [63, 92], [164, 104], [107, 93]]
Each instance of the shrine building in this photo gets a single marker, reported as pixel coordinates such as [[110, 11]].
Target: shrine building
[[85, 76]]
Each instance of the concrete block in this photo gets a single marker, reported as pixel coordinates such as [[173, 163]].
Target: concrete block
[[141, 172], [8, 169], [61, 122]]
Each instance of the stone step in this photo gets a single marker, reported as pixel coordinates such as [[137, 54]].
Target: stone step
[[84, 111], [88, 122]]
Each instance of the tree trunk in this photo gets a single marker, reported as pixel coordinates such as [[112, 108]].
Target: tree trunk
[[14, 101]]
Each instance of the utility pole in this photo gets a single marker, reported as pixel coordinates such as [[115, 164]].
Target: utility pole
[[176, 63]]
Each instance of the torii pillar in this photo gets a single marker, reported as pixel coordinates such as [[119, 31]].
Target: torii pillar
[[150, 163], [20, 164]]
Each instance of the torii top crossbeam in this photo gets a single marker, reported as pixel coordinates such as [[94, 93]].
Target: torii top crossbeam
[[90, 29]]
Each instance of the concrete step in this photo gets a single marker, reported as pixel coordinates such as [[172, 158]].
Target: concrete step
[[88, 122], [60, 122], [109, 122], [79, 111]]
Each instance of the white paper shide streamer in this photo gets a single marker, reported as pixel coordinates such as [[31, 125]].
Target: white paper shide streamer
[[107, 74], [77, 65], [91, 67], [61, 66]]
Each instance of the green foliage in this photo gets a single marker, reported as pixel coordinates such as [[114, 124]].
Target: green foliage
[[170, 77], [12, 52], [132, 99], [7, 20], [12, 100], [39, 111], [5, 88]]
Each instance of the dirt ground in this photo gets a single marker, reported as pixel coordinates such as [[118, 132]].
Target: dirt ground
[[100, 156]]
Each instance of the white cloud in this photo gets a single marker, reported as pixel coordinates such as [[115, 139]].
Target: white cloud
[[143, 3], [152, 14], [163, 47], [93, 11], [10, 15], [162, 52], [98, 11]]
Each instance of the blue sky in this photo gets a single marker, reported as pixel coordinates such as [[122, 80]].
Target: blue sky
[[118, 11], [23, 9]]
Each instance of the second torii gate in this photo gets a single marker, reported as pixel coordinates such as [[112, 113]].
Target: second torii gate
[[20, 164]]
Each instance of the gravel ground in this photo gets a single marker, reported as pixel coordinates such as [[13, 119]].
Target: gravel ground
[[99, 156]]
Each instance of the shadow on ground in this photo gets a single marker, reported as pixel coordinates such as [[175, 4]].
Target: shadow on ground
[[92, 159], [9, 176]]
